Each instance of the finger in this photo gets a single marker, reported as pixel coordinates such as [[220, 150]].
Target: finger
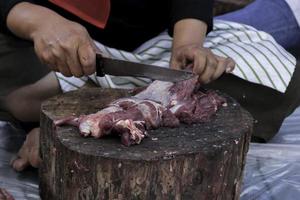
[[222, 64], [70, 58], [39, 52], [66, 58], [175, 64], [199, 64], [49, 59], [87, 58], [45, 55], [190, 66], [184, 59], [63, 67], [61, 56], [74, 63], [211, 66], [230, 66], [34, 158], [53, 67], [20, 164]]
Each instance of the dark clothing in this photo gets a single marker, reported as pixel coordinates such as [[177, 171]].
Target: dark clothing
[[19, 66], [15, 52], [131, 22], [269, 107]]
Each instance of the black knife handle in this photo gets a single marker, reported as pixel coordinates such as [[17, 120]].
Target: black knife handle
[[99, 65]]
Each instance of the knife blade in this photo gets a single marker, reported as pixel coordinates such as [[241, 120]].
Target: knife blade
[[117, 67]]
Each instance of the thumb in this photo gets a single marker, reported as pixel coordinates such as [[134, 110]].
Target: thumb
[[230, 66]]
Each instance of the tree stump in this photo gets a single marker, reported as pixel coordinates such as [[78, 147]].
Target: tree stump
[[200, 161]]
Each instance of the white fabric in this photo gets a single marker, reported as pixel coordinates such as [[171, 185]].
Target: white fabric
[[259, 59], [295, 6]]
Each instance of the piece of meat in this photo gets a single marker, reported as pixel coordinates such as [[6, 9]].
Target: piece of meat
[[4, 195], [128, 117], [198, 109], [169, 94], [160, 104], [184, 100], [132, 132]]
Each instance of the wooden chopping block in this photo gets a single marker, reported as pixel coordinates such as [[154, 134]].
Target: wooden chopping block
[[200, 161]]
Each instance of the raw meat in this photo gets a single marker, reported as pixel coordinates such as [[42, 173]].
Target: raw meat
[[160, 104]]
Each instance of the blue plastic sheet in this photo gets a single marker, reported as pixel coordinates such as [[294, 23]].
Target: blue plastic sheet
[[272, 172], [23, 186]]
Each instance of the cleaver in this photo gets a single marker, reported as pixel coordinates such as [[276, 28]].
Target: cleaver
[[117, 67]]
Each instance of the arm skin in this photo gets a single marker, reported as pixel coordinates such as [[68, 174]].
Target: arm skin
[[188, 51], [189, 31], [24, 19], [63, 45]]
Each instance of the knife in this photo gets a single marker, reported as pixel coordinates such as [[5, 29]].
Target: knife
[[117, 67]]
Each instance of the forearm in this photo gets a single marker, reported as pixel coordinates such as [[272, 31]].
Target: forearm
[[189, 32], [24, 18]]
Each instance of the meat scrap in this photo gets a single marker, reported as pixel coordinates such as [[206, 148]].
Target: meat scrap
[[161, 104], [4, 195]]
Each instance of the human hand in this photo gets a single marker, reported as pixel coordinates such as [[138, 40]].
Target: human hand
[[28, 155], [202, 62], [65, 47]]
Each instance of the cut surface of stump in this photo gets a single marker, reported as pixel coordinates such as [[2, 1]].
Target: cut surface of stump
[[199, 161]]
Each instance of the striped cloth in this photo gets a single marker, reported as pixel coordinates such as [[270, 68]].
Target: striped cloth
[[259, 59]]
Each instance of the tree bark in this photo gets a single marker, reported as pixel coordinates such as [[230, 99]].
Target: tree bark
[[200, 161]]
